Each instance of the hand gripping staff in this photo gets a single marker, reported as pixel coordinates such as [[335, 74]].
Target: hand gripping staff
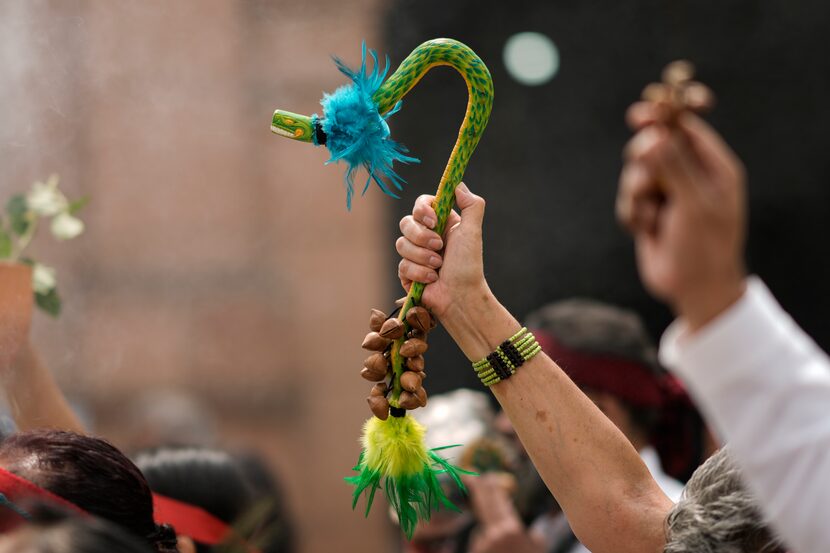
[[353, 127]]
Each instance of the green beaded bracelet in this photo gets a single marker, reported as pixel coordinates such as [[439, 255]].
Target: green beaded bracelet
[[502, 363]]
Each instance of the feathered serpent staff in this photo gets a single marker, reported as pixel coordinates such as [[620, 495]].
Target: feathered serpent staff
[[353, 127]]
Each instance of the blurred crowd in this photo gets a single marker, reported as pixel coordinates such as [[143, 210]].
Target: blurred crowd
[[715, 441]]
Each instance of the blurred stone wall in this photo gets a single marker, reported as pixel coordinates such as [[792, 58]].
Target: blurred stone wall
[[218, 260]]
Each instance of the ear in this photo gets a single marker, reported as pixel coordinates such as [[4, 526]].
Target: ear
[[185, 545]]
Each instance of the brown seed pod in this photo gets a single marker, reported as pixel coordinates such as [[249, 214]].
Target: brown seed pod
[[372, 375], [408, 400], [678, 93], [379, 389], [678, 72], [421, 396], [698, 98], [419, 318], [415, 363], [392, 329], [411, 381], [379, 406], [413, 347], [656, 92], [415, 333], [376, 319], [377, 362], [375, 342]]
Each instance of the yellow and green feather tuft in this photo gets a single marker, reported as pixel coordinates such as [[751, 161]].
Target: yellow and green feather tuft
[[395, 459], [395, 446]]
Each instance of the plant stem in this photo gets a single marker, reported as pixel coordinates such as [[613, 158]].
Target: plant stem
[[23, 241], [4, 228]]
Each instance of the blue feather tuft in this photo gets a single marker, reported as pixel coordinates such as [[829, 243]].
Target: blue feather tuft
[[357, 133]]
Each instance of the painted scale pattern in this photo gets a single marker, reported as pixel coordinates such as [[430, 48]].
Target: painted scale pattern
[[433, 53]]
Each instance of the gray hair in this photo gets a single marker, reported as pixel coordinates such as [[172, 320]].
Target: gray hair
[[717, 514], [594, 327]]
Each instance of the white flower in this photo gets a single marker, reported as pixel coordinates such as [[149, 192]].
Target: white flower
[[43, 279], [65, 226], [45, 199]]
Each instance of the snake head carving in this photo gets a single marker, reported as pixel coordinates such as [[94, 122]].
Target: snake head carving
[[293, 125]]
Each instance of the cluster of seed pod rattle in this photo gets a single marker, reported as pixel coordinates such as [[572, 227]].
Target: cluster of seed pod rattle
[[678, 92], [378, 367]]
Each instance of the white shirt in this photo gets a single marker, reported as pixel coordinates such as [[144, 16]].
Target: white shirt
[[765, 387]]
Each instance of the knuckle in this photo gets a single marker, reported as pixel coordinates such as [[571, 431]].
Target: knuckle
[[623, 186], [423, 236], [423, 202], [512, 527], [657, 150], [504, 532], [653, 157], [620, 209]]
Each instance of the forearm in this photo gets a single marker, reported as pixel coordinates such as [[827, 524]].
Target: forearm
[[611, 500], [34, 397]]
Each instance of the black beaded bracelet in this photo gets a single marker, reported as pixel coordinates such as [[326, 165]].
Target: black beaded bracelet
[[510, 355]]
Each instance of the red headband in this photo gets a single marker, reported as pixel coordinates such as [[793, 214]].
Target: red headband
[[189, 520], [195, 522], [677, 434], [17, 490], [629, 380]]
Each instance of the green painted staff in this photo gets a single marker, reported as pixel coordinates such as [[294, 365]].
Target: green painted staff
[[353, 127]]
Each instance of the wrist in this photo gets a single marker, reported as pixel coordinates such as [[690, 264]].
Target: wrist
[[23, 364], [479, 323], [699, 308]]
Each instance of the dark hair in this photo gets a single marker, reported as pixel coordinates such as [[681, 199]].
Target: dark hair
[[596, 328], [590, 326], [277, 522], [92, 474], [51, 530], [217, 482], [599, 329]]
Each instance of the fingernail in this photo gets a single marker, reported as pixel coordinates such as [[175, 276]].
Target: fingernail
[[436, 244], [643, 142], [429, 222], [463, 187], [432, 277], [435, 261]]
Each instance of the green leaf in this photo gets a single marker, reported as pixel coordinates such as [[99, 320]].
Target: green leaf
[[77, 205], [18, 212], [50, 303], [5, 244]]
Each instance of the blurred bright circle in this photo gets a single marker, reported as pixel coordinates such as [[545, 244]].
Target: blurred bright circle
[[531, 58]]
